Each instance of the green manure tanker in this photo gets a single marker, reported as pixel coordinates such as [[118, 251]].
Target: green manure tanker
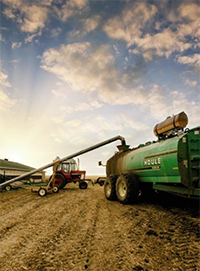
[[171, 164]]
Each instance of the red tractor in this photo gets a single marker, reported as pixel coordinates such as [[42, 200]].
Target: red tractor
[[68, 172]]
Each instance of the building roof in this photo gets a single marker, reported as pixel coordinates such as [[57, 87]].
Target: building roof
[[6, 164]]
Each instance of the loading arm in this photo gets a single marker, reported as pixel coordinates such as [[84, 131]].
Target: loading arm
[[101, 144]]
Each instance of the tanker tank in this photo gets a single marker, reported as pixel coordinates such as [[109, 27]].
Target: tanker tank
[[171, 164]]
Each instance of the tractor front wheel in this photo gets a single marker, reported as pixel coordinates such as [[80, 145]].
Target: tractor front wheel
[[83, 185], [127, 188]]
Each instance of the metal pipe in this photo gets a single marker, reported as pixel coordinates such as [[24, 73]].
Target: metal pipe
[[65, 158]]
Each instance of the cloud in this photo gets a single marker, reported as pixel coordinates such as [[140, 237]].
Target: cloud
[[55, 32], [160, 106], [192, 60], [157, 105], [91, 68], [9, 13], [122, 96], [131, 123], [81, 107], [6, 102], [1, 38], [92, 23], [4, 79], [161, 44], [15, 60], [30, 37], [129, 25], [138, 25], [71, 8], [68, 62], [16, 45], [34, 18], [191, 108], [47, 2], [59, 93], [187, 20], [30, 16], [190, 82], [64, 131], [11, 7]]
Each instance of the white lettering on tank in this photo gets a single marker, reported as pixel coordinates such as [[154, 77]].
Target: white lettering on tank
[[152, 161]]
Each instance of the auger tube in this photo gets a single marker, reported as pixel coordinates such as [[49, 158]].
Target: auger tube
[[101, 144]]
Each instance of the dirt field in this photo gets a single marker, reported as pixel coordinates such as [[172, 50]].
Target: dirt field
[[80, 230]]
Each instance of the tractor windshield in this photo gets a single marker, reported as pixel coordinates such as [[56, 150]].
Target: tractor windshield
[[74, 166], [66, 167]]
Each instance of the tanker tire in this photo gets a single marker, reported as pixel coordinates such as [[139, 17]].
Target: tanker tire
[[60, 181], [109, 187], [127, 188]]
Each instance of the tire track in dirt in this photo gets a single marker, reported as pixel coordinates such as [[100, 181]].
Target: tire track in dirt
[[10, 219], [14, 202], [30, 228], [65, 223], [112, 231], [186, 242]]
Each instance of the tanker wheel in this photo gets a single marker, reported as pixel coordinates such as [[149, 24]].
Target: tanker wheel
[[109, 187], [59, 181], [83, 185], [127, 188], [42, 192]]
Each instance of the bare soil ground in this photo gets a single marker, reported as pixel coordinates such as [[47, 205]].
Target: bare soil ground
[[81, 230]]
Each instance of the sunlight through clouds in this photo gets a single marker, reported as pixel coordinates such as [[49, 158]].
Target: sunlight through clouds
[[76, 72]]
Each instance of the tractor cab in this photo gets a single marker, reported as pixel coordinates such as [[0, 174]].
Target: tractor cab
[[68, 166]]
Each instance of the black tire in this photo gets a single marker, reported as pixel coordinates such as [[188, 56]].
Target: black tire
[[42, 192], [109, 187], [55, 189], [8, 187], [83, 185], [127, 188], [60, 180]]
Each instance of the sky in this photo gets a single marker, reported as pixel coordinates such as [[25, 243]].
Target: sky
[[75, 73]]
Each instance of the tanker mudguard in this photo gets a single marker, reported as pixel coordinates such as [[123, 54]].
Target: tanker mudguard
[[172, 163]]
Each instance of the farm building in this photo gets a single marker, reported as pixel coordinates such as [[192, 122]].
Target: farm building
[[13, 169]]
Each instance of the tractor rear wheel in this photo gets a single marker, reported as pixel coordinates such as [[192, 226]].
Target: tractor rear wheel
[[109, 187], [59, 181], [83, 185], [127, 188]]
